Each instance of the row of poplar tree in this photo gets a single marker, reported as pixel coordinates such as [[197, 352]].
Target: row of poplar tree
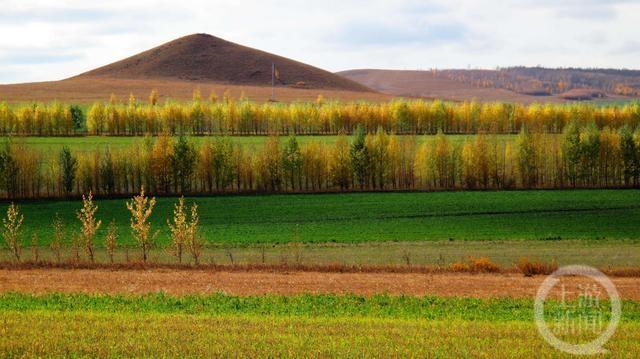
[[243, 117], [579, 157]]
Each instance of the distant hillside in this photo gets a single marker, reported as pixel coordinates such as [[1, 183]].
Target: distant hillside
[[518, 84], [429, 84], [542, 81], [203, 57]]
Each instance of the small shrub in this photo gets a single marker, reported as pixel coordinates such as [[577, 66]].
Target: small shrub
[[179, 229], [485, 265], [141, 207], [476, 265], [406, 257], [531, 268], [11, 234], [87, 217], [111, 239], [194, 241], [460, 267]]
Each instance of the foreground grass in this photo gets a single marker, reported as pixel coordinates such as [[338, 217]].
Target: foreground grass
[[273, 326], [48, 334], [375, 217]]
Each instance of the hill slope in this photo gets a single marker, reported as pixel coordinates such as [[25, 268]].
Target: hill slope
[[426, 84], [202, 57], [524, 85], [91, 89]]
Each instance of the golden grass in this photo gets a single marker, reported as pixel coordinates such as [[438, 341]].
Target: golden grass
[[88, 90], [38, 334]]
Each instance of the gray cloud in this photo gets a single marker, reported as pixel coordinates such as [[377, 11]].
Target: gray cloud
[[43, 42]]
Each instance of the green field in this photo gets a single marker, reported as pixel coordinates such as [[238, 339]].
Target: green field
[[305, 325], [88, 143], [376, 217], [598, 227]]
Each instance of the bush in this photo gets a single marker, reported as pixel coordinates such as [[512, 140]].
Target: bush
[[475, 265], [531, 268]]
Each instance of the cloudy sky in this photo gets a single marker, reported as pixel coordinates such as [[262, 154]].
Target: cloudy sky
[[49, 40]]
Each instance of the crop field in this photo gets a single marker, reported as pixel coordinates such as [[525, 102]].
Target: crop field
[[53, 145], [202, 198], [293, 326], [224, 309], [378, 217], [420, 263]]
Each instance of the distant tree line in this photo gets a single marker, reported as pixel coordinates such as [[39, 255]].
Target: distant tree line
[[582, 156], [54, 119], [547, 81], [243, 117]]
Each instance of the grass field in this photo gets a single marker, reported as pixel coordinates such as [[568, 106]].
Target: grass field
[[597, 227], [603, 253], [365, 217], [306, 325], [53, 145]]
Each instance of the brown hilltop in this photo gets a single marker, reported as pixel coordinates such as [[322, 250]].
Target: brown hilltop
[[205, 58]]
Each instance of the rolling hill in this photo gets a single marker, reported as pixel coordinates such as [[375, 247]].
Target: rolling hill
[[518, 84], [202, 57], [202, 61], [426, 84]]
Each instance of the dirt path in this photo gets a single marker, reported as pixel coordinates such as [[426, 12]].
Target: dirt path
[[179, 282]]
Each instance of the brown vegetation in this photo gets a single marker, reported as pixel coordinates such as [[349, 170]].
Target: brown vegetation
[[530, 268], [432, 85], [202, 57], [286, 282], [524, 85], [202, 61], [542, 81], [87, 90], [475, 265]]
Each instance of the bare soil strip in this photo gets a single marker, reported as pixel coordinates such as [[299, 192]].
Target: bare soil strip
[[182, 282]]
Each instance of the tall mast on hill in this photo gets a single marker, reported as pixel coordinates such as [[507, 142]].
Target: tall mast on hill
[[273, 81]]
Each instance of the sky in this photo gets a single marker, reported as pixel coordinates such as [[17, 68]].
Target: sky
[[51, 40]]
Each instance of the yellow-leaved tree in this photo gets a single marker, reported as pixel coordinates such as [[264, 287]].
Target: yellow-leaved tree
[[90, 225], [141, 208], [179, 228], [184, 232], [11, 234]]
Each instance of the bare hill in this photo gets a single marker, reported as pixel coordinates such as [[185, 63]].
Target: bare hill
[[202, 57]]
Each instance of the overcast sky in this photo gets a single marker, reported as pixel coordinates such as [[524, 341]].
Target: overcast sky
[[51, 40]]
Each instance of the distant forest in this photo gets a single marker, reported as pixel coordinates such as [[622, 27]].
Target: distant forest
[[572, 83]]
